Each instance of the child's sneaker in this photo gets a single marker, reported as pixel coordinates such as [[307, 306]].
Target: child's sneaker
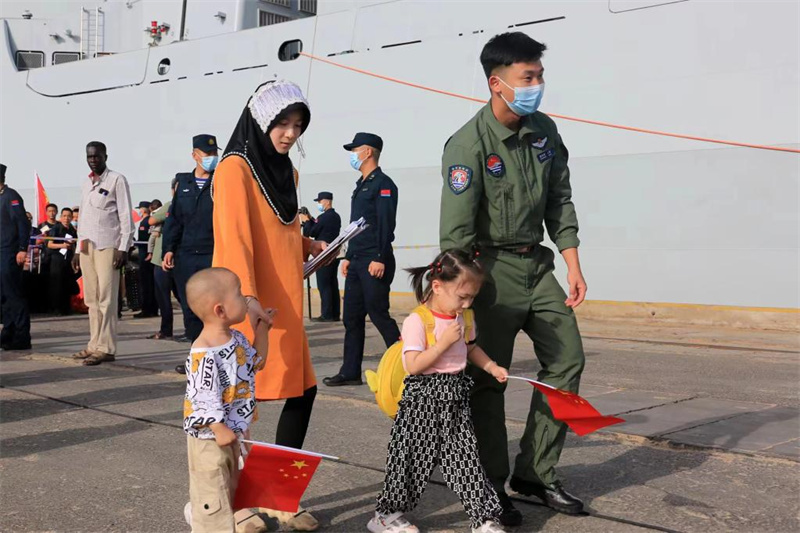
[[393, 523], [490, 526]]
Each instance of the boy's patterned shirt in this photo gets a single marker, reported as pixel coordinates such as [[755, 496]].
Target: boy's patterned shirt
[[220, 387]]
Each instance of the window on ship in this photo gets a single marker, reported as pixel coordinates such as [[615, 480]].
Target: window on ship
[[265, 18], [308, 6], [28, 59]]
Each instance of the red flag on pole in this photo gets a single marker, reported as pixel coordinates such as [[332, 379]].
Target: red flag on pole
[[573, 410], [275, 477], [41, 201]]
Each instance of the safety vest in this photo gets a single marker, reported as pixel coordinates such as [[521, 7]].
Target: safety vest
[[387, 382]]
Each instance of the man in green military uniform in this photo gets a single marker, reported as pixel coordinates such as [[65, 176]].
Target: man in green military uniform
[[505, 174]]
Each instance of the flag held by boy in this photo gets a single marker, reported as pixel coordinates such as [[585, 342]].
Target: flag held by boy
[[275, 477]]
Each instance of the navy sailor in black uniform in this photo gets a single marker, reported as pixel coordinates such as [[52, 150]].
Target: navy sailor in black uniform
[[188, 233], [325, 228], [15, 231], [369, 265]]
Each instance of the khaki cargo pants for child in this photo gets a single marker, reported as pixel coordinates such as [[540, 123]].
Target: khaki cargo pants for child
[[213, 476]]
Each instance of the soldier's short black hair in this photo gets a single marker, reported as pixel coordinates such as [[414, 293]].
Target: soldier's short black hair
[[98, 145], [69, 210], [3, 173], [48, 206], [509, 48]]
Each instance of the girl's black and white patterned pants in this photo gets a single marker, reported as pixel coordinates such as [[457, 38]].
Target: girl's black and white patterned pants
[[434, 427]]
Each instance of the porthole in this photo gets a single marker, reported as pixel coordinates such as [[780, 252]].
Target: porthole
[[163, 66], [290, 50]]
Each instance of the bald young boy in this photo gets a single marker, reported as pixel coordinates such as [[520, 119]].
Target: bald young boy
[[220, 395]]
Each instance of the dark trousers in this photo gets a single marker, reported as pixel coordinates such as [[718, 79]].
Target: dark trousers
[[16, 318], [294, 419], [163, 281], [365, 295], [60, 286], [147, 288], [328, 285], [186, 265]]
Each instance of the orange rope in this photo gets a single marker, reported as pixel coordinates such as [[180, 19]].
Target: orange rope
[[564, 117]]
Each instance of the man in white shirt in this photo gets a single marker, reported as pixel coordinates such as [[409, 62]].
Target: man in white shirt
[[105, 235]]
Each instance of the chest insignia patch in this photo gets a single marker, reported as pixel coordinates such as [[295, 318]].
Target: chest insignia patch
[[459, 178], [547, 154], [386, 193], [14, 202], [495, 165], [539, 143], [185, 190]]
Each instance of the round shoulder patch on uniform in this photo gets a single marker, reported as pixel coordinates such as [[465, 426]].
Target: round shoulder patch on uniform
[[495, 165], [460, 178]]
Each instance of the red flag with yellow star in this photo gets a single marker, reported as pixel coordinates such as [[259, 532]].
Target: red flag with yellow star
[[275, 478], [573, 410]]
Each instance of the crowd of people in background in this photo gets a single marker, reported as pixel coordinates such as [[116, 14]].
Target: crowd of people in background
[[51, 284]]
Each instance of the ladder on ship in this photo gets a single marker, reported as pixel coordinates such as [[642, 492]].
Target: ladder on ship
[[93, 32]]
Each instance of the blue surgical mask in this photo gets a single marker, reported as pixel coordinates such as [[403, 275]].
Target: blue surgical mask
[[526, 99], [74, 223], [209, 163], [355, 162], [320, 208]]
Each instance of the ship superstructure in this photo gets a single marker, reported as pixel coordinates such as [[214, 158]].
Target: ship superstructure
[[662, 219]]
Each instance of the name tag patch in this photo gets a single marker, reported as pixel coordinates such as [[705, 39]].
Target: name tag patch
[[459, 178], [495, 165], [386, 193], [539, 143], [547, 154]]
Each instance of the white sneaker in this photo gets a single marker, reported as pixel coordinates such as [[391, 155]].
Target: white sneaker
[[490, 526], [393, 523], [187, 513]]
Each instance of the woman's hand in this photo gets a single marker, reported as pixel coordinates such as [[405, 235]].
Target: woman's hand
[[269, 321], [317, 247], [256, 313]]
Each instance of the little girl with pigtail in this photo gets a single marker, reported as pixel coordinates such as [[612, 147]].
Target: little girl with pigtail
[[433, 424]]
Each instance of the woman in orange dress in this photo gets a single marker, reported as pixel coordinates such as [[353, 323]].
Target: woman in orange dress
[[257, 236]]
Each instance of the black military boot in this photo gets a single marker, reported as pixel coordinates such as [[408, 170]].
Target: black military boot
[[553, 496]]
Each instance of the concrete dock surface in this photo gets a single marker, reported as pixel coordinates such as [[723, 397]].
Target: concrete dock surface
[[711, 440]]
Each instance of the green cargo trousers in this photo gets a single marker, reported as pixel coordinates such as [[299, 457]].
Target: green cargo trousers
[[521, 293]]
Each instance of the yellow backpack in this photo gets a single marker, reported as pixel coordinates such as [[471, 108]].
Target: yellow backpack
[[387, 382]]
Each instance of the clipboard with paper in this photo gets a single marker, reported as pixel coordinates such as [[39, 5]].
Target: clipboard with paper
[[354, 229]]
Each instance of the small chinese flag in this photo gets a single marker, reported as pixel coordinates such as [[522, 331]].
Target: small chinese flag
[[573, 410], [41, 201], [275, 478]]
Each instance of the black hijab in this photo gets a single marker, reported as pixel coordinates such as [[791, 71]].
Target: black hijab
[[272, 171]]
